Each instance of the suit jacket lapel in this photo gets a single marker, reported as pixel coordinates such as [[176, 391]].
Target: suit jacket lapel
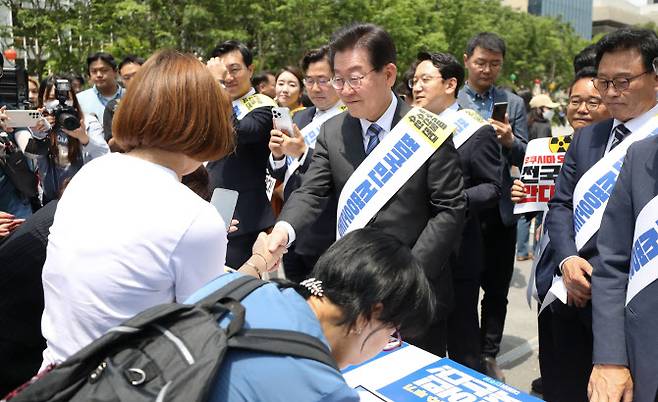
[[354, 151], [601, 137]]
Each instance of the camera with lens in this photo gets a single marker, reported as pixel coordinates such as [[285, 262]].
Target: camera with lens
[[66, 116]]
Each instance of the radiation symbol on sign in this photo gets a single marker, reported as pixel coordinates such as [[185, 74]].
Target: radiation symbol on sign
[[559, 144]]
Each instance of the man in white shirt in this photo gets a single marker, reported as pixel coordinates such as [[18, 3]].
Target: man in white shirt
[[291, 156], [103, 74]]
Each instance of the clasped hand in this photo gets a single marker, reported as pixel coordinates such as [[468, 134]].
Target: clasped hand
[[576, 272]]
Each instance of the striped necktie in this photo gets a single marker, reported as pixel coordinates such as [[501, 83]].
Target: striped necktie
[[620, 132], [373, 134]]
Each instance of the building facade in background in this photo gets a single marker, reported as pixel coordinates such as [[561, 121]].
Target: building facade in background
[[609, 15], [577, 13]]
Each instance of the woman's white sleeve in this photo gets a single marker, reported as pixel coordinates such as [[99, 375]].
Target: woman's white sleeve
[[200, 254]]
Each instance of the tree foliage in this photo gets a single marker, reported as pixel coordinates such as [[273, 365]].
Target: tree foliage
[[279, 31]]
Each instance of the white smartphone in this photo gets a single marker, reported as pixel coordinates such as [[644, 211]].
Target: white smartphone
[[225, 200], [22, 118], [282, 119]]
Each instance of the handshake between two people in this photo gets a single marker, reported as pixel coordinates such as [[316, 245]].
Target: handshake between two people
[[267, 252]]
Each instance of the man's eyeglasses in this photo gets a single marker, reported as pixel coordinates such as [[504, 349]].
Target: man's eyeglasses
[[620, 84], [493, 65], [322, 82], [424, 80], [590, 104], [354, 82]]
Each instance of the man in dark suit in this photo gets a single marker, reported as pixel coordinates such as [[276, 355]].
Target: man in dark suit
[[244, 170], [22, 255], [625, 334], [286, 147], [435, 84], [629, 94], [427, 212], [483, 59]]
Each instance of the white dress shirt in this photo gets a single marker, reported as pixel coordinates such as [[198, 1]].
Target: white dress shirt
[[127, 235]]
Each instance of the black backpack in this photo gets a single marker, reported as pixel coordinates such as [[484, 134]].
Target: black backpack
[[169, 352]]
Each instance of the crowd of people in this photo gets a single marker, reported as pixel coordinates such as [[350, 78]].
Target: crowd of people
[[399, 204]]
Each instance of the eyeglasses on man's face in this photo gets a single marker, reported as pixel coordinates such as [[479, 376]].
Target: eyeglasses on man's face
[[483, 64], [322, 82], [424, 80], [590, 104], [354, 81], [620, 84]]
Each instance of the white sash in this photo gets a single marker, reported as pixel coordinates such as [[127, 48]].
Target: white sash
[[242, 107], [594, 188], [644, 259], [388, 167], [466, 121], [310, 134]]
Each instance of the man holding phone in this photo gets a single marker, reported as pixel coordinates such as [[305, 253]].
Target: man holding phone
[[291, 156], [244, 170], [506, 112]]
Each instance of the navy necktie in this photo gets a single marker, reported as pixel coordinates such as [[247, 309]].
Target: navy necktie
[[373, 137], [620, 132]]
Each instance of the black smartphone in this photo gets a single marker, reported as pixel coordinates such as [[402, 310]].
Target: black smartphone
[[499, 110]]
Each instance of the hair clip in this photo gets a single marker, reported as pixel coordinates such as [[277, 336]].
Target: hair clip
[[314, 286]]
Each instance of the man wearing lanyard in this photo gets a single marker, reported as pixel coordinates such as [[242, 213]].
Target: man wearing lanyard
[[103, 74], [483, 59], [288, 147], [427, 211], [244, 170]]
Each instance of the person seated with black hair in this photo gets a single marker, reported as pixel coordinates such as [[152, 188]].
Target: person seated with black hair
[[364, 290]]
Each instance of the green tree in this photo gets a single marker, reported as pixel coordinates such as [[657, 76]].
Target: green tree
[[279, 31]]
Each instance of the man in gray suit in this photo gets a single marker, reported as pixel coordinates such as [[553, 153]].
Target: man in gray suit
[[427, 212], [483, 59], [626, 336], [625, 348]]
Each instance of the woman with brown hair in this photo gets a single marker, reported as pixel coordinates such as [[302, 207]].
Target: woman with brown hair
[[127, 233]]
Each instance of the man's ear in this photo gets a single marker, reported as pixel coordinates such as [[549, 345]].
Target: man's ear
[[451, 86], [391, 71]]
